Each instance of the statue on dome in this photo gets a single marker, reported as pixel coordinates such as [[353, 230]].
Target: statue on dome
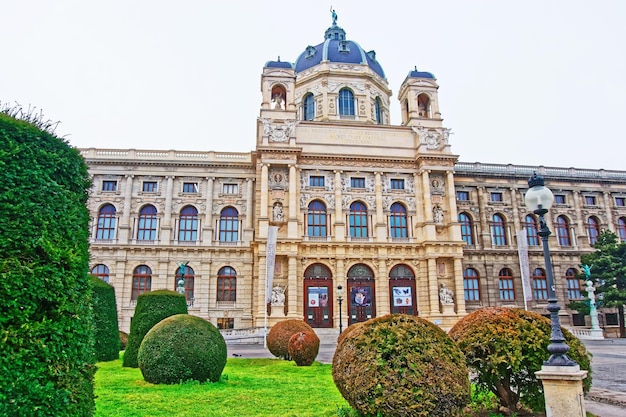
[[334, 15]]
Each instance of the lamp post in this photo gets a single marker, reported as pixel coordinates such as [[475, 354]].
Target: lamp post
[[539, 199], [340, 300]]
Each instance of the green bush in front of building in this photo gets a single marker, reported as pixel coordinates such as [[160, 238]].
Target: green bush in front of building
[[182, 348], [106, 328], [47, 363], [400, 365], [151, 308]]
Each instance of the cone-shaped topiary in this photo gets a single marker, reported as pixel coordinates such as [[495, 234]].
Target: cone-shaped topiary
[[400, 365], [152, 307], [182, 348], [505, 347], [303, 348], [279, 335], [106, 329]]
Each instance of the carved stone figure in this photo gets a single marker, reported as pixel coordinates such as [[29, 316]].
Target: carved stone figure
[[278, 296], [438, 214], [278, 213], [445, 295]]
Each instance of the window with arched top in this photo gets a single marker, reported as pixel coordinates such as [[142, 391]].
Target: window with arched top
[[188, 224], [540, 284], [398, 221], [346, 102], [309, 106], [147, 225], [563, 231], [226, 284], [423, 105], [229, 225], [101, 271], [573, 285], [471, 287], [378, 111], [105, 228], [142, 281], [498, 230], [358, 220], [531, 226], [506, 285], [621, 228], [316, 219], [188, 278], [593, 230], [467, 228]]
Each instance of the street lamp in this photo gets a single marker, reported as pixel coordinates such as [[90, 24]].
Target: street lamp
[[340, 300], [539, 199]]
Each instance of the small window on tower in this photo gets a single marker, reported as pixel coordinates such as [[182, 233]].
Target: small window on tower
[[316, 181], [397, 184]]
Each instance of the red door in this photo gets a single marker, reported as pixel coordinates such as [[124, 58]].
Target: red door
[[361, 306], [402, 296], [318, 311]]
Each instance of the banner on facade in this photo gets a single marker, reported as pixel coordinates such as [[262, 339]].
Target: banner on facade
[[270, 256], [522, 250]]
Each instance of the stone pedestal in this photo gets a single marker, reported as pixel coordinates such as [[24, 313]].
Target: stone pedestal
[[563, 389], [277, 311], [447, 309]]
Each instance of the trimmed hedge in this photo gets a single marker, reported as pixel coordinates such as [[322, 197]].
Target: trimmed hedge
[[303, 348], [152, 307], [400, 365], [47, 363], [279, 335], [106, 329], [505, 347], [182, 348]]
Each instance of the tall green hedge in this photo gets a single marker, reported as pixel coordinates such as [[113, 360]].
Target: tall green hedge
[[106, 329], [46, 340], [152, 307]]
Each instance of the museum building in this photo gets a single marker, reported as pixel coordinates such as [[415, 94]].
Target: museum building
[[372, 217]]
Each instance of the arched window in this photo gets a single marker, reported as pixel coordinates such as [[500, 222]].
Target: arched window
[[147, 223], [506, 285], [358, 220], [498, 230], [227, 284], [621, 228], [562, 231], [309, 107], [423, 105], [346, 102], [106, 222], [101, 271], [188, 224], [316, 219], [573, 285], [540, 284], [593, 230], [467, 228], [471, 289], [397, 221], [378, 111], [229, 225], [531, 226], [189, 277], [142, 281], [405, 108]]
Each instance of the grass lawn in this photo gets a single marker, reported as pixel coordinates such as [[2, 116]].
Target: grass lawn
[[248, 387]]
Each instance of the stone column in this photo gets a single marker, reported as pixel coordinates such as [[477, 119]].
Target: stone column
[[454, 215], [516, 213], [207, 229], [166, 226], [428, 207], [419, 209], [292, 228], [124, 228], [264, 190], [563, 390], [608, 204], [459, 293], [380, 225], [340, 224], [433, 290], [580, 228], [485, 232], [293, 294]]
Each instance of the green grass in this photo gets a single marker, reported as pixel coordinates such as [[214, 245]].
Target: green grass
[[248, 387]]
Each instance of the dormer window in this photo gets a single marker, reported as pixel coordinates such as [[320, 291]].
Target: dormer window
[[343, 46], [372, 55], [310, 51]]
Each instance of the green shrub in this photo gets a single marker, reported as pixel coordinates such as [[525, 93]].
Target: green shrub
[[400, 365], [279, 335], [123, 340], [505, 347], [303, 348], [106, 331], [182, 348], [47, 363], [152, 307]]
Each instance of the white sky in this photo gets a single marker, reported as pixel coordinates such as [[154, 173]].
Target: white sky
[[538, 82]]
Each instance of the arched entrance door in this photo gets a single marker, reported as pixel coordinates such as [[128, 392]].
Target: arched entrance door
[[362, 305], [318, 285], [402, 294]]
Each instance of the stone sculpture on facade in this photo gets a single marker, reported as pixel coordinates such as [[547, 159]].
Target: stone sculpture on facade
[[445, 295], [278, 296]]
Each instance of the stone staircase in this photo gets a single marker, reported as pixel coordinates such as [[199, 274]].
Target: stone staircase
[[327, 336]]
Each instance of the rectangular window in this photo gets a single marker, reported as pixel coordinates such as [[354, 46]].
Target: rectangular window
[[497, 197], [578, 319], [573, 289], [620, 201], [462, 195], [507, 291], [611, 319], [590, 200], [230, 189], [316, 181], [559, 199], [357, 182], [225, 323], [397, 184], [190, 187], [149, 187], [109, 185]]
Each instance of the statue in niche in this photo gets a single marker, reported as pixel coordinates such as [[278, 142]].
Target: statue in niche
[[438, 214], [445, 295], [278, 100], [278, 296], [278, 213]]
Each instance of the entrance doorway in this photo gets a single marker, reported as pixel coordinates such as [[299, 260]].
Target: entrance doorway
[[362, 293], [402, 294], [318, 290]]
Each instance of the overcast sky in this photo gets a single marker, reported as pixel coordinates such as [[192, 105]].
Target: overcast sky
[[536, 82]]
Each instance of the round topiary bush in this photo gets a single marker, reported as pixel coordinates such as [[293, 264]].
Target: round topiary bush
[[152, 307], [279, 335], [400, 365], [505, 347], [182, 348], [303, 348], [106, 330]]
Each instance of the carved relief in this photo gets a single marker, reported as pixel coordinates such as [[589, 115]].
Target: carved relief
[[434, 139], [437, 185], [278, 132], [278, 179]]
